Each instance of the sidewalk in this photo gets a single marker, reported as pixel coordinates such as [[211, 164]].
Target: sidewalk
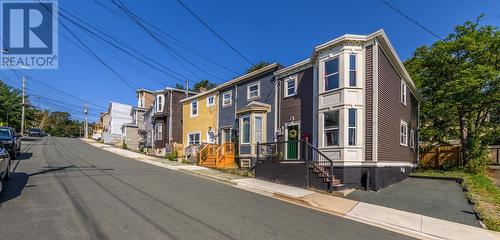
[[410, 224]]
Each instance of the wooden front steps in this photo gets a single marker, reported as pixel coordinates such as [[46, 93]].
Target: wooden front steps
[[324, 173], [217, 156]]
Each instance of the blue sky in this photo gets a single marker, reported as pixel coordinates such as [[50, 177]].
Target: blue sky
[[281, 31]]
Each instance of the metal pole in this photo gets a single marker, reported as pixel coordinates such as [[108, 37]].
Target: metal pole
[[187, 88], [23, 105], [86, 130]]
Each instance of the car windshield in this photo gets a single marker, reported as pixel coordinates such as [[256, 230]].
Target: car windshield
[[4, 132]]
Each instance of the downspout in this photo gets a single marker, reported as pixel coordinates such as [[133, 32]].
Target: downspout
[[170, 118], [276, 109]]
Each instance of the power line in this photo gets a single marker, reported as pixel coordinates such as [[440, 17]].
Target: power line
[[409, 18], [172, 39], [136, 19], [213, 31]]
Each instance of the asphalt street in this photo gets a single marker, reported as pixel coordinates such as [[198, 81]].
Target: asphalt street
[[63, 188]]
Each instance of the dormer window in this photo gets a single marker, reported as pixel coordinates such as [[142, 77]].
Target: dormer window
[[331, 74]]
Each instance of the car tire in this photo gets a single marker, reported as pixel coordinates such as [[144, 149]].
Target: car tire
[[2, 185], [7, 174]]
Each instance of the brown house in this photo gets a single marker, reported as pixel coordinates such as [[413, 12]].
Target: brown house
[[355, 103], [166, 119]]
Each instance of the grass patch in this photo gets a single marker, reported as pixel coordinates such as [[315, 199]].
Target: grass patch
[[482, 191], [237, 171]]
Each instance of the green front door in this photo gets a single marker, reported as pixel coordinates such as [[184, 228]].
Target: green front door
[[293, 142]]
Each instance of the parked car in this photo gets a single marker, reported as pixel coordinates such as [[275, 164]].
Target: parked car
[[36, 132], [11, 141], [4, 168]]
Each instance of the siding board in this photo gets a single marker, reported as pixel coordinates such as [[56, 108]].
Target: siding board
[[369, 103], [390, 113]]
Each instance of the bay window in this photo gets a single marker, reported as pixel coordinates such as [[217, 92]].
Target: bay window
[[331, 128], [258, 129], [352, 70], [331, 77], [245, 130], [352, 127]]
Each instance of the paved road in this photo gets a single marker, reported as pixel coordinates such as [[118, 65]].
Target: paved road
[[66, 189]]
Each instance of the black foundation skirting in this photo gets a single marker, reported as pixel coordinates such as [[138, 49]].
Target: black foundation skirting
[[299, 175]]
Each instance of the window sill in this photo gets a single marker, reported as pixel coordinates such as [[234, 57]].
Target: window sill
[[254, 98], [226, 106], [289, 96]]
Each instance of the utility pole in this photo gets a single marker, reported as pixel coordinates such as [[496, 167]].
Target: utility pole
[[86, 131], [23, 105], [187, 88]]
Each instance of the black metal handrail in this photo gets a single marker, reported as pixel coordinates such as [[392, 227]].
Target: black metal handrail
[[272, 153]]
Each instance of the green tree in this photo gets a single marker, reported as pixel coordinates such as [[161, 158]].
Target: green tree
[[459, 80], [203, 85], [257, 66]]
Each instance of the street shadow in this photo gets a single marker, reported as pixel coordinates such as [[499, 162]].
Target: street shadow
[[50, 170], [24, 156], [30, 139], [14, 186]]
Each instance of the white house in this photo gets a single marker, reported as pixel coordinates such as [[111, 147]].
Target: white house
[[119, 114]]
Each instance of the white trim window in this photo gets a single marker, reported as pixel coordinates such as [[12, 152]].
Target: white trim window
[[194, 108], [351, 129], [210, 101], [258, 128], [403, 133], [159, 103], [403, 92], [352, 70], [227, 99], [412, 138], [245, 129], [159, 131], [331, 77], [291, 86], [253, 91], [210, 136], [194, 138], [331, 128]]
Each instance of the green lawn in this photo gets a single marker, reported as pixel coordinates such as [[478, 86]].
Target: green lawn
[[482, 191]]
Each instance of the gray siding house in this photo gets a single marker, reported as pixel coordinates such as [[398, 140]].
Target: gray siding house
[[355, 102], [247, 111]]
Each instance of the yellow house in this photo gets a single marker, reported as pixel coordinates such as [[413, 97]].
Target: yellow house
[[199, 116], [200, 131]]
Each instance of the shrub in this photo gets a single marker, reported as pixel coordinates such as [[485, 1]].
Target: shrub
[[477, 155], [172, 156], [124, 145]]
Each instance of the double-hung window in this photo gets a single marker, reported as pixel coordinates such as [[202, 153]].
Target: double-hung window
[[291, 86], [159, 103], [258, 129], [159, 131], [352, 126], [253, 91], [331, 128], [412, 138], [245, 130], [352, 70], [210, 101], [331, 74], [403, 92], [194, 108], [403, 133], [227, 99], [194, 138]]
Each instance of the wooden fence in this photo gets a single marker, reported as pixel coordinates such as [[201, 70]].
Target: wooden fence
[[440, 157]]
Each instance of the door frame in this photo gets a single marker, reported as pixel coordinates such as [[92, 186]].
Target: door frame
[[289, 124]]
